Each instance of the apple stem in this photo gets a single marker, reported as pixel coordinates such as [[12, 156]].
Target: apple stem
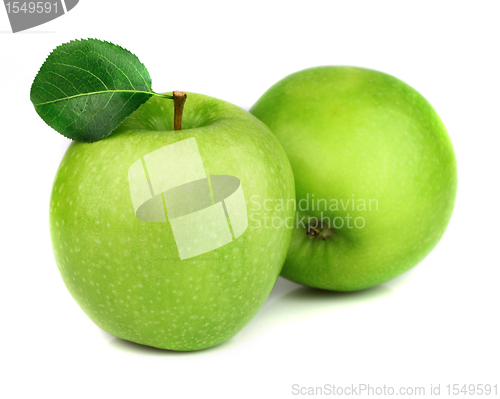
[[179, 100]]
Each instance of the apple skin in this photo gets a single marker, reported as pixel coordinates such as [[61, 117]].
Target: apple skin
[[354, 133], [125, 273]]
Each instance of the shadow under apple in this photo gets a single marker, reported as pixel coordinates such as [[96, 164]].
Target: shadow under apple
[[288, 303]]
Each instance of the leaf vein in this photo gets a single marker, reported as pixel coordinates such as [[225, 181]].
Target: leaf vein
[[84, 70], [124, 74], [100, 92], [98, 112]]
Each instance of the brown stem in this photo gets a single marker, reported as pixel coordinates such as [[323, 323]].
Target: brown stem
[[179, 100]]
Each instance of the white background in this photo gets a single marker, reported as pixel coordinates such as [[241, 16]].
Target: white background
[[437, 324]]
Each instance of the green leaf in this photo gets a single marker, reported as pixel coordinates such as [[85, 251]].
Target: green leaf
[[86, 88]]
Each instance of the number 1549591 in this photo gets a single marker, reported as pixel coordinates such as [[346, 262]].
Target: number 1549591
[[31, 7]]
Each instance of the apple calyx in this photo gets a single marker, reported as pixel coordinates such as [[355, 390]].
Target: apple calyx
[[179, 100], [319, 231]]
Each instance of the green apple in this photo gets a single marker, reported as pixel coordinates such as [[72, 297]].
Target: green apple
[[375, 174], [150, 226]]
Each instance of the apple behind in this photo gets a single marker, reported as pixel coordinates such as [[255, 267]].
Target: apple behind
[[374, 169]]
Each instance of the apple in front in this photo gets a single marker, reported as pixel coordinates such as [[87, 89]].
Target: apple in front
[[150, 226]]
